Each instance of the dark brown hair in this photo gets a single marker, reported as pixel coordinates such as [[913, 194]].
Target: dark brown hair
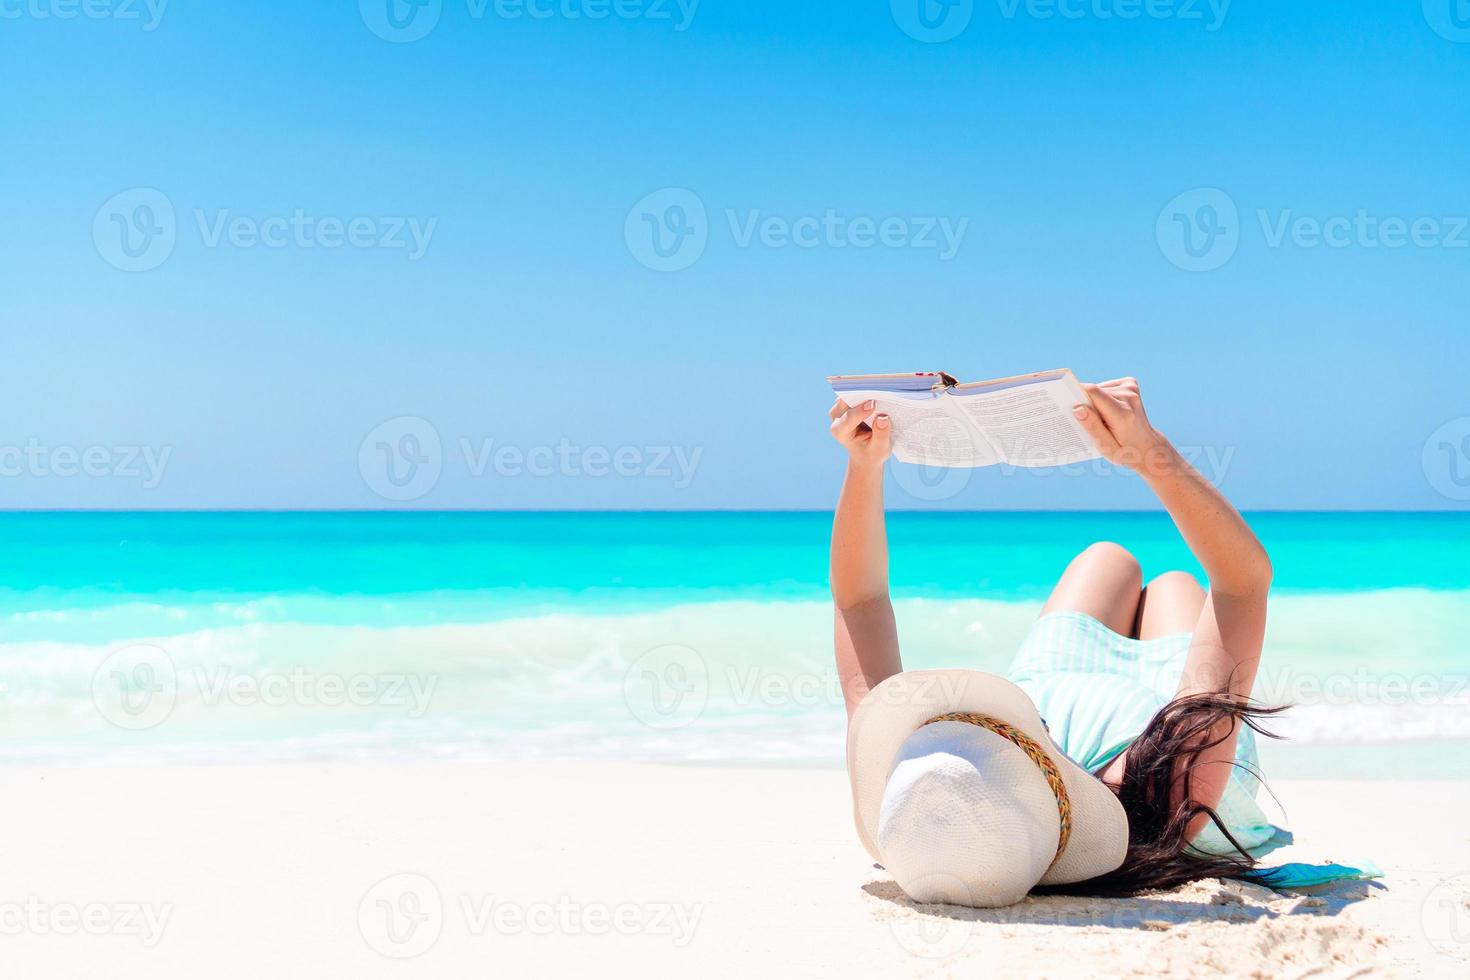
[[1155, 793]]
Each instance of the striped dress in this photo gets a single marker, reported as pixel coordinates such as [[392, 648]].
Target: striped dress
[[1097, 691]]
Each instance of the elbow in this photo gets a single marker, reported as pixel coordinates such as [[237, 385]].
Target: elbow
[[1260, 569], [847, 599], [1250, 575]]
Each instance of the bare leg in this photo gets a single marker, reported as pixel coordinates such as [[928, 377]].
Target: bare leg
[[1171, 604], [1103, 582]]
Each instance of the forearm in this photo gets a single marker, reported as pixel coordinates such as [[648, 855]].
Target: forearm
[[1219, 537], [859, 570]]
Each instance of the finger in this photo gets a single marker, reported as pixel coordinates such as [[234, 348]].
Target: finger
[[1099, 432], [846, 427], [837, 409], [1121, 383], [882, 427], [1105, 401]]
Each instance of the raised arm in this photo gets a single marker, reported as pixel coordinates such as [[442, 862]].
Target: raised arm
[[1226, 647], [865, 632]]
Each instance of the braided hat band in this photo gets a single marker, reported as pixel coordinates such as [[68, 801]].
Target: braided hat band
[[1043, 761]]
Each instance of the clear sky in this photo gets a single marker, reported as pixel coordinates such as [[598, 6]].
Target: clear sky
[[214, 292]]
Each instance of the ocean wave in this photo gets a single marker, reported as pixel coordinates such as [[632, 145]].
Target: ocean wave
[[711, 682]]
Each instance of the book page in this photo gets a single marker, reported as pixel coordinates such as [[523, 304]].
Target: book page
[[928, 430], [1030, 420]]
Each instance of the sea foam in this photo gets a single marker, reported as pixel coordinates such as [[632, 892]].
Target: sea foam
[[732, 682]]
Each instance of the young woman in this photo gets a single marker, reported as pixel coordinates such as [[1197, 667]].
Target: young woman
[[1145, 687]]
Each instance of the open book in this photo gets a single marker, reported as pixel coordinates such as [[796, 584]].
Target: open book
[[1024, 421]]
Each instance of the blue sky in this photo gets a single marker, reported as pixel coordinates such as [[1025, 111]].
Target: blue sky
[[285, 336]]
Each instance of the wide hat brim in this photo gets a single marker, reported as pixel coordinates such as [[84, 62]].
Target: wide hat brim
[[899, 706]]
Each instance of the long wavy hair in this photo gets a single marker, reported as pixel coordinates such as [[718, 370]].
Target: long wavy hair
[[1155, 793]]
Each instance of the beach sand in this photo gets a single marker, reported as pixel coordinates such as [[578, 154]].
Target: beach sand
[[461, 869]]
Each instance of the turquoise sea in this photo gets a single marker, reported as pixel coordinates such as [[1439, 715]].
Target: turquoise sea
[[660, 637]]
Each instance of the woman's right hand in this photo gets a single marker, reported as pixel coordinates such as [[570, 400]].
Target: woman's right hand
[[1118, 424], [863, 431]]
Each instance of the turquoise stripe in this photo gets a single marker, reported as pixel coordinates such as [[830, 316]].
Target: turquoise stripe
[[1097, 690]]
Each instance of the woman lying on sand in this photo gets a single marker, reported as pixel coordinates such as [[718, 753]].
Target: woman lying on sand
[[1118, 754]]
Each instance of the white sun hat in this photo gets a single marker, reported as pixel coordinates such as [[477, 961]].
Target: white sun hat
[[960, 793]]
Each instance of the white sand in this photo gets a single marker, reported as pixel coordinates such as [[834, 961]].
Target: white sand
[[275, 871]]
